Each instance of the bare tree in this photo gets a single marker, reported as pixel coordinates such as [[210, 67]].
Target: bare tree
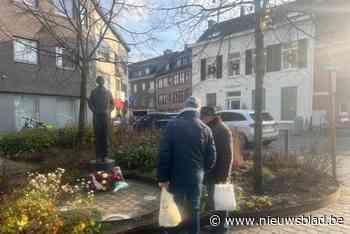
[[191, 16], [80, 27]]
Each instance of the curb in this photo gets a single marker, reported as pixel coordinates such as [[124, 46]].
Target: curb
[[278, 212]]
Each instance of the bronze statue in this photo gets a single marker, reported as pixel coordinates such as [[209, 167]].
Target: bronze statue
[[101, 104]]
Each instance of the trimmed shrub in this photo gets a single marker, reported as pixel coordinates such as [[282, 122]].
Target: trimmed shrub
[[40, 139], [137, 156], [30, 140]]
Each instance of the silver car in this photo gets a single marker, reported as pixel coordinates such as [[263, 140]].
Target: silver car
[[243, 122]]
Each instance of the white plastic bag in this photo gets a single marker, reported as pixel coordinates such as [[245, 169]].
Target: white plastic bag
[[224, 197], [169, 214]]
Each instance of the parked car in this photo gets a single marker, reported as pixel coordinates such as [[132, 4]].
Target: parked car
[[154, 120], [243, 121], [343, 120], [163, 122]]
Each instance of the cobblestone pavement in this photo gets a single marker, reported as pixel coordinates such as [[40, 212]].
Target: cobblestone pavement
[[340, 209], [314, 139], [137, 200]]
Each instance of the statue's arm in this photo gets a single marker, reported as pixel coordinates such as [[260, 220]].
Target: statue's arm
[[91, 103]]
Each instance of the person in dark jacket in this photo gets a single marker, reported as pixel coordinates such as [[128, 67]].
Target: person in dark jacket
[[187, 151], [224, 148]]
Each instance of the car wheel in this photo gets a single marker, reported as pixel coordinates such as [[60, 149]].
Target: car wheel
[[243, 141]]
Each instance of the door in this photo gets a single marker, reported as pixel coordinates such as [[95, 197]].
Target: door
[[289, 103]]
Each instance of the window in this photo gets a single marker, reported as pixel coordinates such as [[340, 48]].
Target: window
[[179, 62], [294, 54], [63, 60], [231, 116], [211, 68], [233, 100], [117, 84], [211, 99], [26, 51], [265, 116], [151, 84], [187, 76], [290, 55], [273, 59], [163, 99], [177, 78], [165, 82], [234, 64], [135, 88], [63, 7], [104, 51], [29, 3], [148, 70], [143, 86], [182, 78]]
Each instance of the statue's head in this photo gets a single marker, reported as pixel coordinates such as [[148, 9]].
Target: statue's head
[[100, 81]]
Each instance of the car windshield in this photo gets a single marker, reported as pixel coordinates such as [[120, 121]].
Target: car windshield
[[265, 116]]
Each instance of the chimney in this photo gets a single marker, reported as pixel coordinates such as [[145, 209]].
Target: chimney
[[211, 23]]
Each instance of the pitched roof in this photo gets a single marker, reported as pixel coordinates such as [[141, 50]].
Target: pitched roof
[[247, 22], [157, 64], [229, 27]]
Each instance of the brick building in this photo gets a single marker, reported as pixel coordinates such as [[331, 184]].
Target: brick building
[[161, 83], [175, 84]]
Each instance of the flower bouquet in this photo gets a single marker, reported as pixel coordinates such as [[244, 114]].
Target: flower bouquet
[[107, 181]]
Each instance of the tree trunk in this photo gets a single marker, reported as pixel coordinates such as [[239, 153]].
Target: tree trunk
[[259, 72], [83, 106]]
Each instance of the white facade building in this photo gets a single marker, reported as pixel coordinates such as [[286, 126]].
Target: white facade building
[[223, 68]]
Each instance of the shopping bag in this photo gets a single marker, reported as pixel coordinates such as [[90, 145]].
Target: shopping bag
[[224, 197], [169, 214]]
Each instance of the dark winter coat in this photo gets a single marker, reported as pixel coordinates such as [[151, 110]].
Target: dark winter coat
[[224, 149], [186, 152]]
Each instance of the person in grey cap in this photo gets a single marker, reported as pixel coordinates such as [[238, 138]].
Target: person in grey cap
[[221, 173], [187, 152]]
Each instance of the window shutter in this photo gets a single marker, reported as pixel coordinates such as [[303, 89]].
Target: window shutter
[[302, 53], [203, 68], [248, 62], [219, 66], [274, 58]]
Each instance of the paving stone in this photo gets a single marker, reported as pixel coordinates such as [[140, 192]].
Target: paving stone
[[340, 209], [137, 200]]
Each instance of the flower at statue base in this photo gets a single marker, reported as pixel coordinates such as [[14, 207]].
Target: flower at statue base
[[107, 181]]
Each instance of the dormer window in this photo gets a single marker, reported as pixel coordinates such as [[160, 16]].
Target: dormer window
[[148, 70]]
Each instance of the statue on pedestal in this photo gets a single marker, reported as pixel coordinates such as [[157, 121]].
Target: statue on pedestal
[[101, 104]]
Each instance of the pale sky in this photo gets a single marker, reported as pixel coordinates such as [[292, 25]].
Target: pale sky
[[166, 35]]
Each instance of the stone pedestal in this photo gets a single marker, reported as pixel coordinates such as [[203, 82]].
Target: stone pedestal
[[107, 165]]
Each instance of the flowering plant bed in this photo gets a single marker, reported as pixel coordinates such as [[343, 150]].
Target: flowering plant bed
[[107, 180]]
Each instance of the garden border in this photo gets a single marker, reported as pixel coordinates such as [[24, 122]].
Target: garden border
[[278, 212]]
